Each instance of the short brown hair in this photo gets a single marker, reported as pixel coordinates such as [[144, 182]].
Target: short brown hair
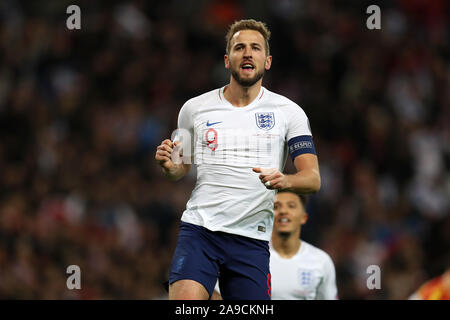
[[248, 24], [304, 199]]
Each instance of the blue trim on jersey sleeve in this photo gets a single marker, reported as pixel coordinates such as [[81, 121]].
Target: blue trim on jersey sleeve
[[301, 145]]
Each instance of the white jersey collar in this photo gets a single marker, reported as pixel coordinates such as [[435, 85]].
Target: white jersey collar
[[255, 101]]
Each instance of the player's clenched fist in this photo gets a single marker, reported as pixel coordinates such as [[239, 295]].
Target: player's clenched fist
[[272, 178], [169, 156], [164, 154]]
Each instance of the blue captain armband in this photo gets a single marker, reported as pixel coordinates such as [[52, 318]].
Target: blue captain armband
[[301, 145]]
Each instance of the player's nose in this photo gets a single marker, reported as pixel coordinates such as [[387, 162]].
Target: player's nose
[[281, 212], [247, 52]]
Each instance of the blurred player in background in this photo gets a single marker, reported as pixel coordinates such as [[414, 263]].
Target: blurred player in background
[[299, 270], [240, 135], [437, 288]]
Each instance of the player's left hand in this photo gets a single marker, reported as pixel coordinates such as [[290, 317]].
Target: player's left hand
[[272, 178]]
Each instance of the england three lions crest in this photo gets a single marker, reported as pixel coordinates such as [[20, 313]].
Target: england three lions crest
[[265, 120]]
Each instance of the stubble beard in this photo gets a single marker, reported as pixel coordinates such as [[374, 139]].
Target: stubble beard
[[246, 82], [284, 235]]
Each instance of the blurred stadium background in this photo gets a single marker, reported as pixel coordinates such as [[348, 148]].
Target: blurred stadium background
[[81, 113]]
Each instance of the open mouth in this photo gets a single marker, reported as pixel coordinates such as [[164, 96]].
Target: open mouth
[[284, 220], [248, 66]]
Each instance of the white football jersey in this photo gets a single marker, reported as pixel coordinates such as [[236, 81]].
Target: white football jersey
[[308, 275], [226, 142]]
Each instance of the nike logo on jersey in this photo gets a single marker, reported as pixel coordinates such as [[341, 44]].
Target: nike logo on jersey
[[208, 124]]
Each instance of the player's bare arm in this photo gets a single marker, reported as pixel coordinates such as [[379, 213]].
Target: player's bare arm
[[306, 180], [163, 156]]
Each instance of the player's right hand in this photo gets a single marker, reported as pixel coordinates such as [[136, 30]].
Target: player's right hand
[[164, 154]]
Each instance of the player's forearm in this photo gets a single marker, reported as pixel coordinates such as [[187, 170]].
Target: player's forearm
[[305, 181], [177, 172]]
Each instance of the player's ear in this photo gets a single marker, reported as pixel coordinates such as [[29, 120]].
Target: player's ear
[[227, 61], [268, 63], [304, 218]]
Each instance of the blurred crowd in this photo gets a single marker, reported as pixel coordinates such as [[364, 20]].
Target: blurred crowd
[[82, 111]]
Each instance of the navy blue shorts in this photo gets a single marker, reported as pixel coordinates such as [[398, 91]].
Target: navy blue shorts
[[240, 263]]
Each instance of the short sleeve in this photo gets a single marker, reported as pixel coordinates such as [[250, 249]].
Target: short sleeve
[[298, 123], [185, 119], [298, 131], [185, 130]]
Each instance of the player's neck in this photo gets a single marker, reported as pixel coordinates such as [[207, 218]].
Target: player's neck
[[286, 247], [240, 96]]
